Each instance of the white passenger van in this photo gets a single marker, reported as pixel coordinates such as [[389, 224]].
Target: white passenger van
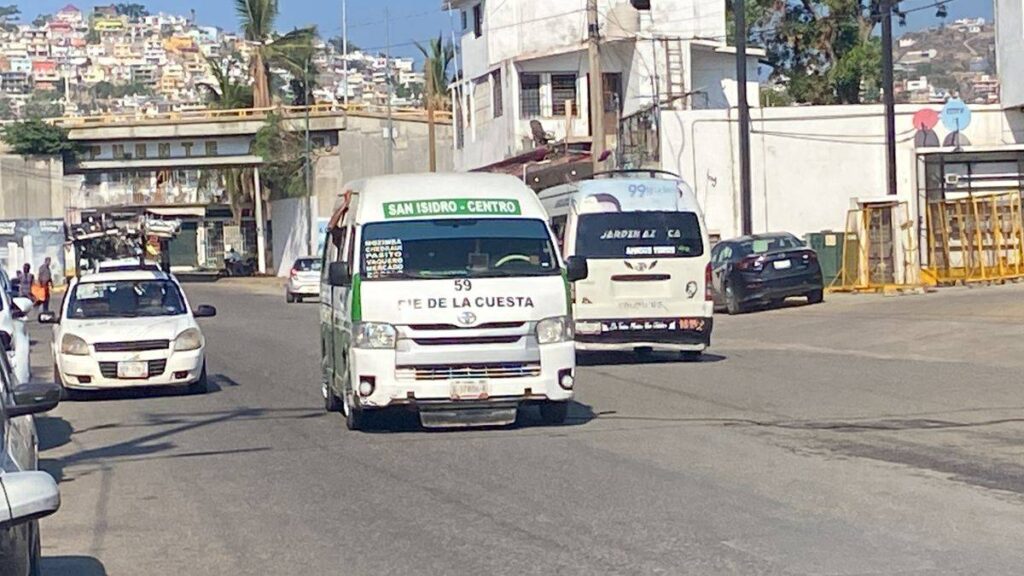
[[643, 237], [445, 293]]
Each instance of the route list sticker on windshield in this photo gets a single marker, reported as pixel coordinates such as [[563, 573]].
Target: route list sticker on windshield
[[452, 207], [383, 257]]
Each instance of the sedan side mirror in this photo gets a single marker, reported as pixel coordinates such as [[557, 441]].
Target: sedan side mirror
[[47, 318], [337, 274], [34, 398], [576, 268], [204, 311], [30, 496], [22, 306]]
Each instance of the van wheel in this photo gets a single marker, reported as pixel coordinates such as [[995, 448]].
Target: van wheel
[[331, 401], [553, 413], [354, 418], [732, 302], [815, 296], [289, 298]]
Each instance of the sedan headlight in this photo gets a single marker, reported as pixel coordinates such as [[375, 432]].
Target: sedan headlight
[[552, 330], [191, 339], [73, 346], [374, 335]]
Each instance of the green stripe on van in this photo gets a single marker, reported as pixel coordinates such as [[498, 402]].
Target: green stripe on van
[[357, 298], [568, 292]]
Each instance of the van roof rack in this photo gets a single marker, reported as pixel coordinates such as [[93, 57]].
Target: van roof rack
[[652, 172]]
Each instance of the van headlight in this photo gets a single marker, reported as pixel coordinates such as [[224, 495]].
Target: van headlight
[[552, 330], [73, 346], [376, 335], [191, 339]]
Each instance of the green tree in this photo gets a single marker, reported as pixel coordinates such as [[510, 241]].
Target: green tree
[[42, 105], [35, 137], [6, 110], [822, 51], [134, 12], [8, 14], [227, 93], [288, 51], [284, 159], [438, 58]]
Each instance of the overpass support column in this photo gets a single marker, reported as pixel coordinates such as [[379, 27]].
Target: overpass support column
[[261, 241]]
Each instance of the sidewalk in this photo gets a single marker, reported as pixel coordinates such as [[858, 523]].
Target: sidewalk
[[252, 284]]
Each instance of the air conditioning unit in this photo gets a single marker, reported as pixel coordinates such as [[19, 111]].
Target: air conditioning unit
[[952, 179]]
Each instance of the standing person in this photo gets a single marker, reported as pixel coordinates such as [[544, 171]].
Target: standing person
[[25, 281], [46, 281]]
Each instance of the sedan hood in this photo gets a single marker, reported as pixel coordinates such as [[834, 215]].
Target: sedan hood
[[128, 329]]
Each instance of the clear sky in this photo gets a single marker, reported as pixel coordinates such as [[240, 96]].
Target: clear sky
[[413, 20]]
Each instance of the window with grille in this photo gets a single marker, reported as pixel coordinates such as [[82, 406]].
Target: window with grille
[[563, 89], [529, 95], [478, 21], [497, 105]]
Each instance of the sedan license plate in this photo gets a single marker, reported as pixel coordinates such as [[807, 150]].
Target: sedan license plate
[[468, 389], [782, 264], [133, 369]]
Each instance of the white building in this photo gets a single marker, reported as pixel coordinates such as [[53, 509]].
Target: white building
[[1010, 51], [526, 62]]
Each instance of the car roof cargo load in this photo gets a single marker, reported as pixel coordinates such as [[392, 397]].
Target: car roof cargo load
[[122, 244]]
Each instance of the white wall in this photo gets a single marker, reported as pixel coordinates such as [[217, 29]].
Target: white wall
[[290, 222], [809, 164], [1010, 51]]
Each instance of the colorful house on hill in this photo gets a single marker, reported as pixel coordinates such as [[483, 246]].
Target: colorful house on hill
[[69, 14]]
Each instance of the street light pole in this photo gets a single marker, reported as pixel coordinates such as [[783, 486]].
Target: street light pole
[[596, 88], [344, 49], [311, 243], [746, 204], [889, 96], [389, 165]]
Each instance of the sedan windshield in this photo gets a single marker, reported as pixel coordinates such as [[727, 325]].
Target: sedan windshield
[[306, 265], [457, 248], [765, 244], [125, 299], [639, 235]]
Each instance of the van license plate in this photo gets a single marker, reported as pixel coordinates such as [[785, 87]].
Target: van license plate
[[468, 389], [133, 370], [782, 264]]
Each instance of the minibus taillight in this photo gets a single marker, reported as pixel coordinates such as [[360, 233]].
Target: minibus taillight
[[707, 283]]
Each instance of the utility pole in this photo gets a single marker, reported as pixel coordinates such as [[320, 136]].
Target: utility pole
[[344, 49], [261, 240], [306, 99], [389, 161], [889, 96], [430, 101], [747, 217], [596, 87]]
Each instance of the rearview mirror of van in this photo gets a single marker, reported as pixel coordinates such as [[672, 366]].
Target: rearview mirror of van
[[337, 274], [576, 268]]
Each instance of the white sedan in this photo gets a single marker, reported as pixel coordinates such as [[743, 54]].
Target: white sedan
[[13, 333], [128, 328]]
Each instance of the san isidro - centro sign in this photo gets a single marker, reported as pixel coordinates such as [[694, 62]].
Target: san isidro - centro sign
[[955, 115], [452, 207]]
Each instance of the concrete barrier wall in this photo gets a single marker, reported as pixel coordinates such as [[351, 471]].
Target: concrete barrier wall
[[31, 187]]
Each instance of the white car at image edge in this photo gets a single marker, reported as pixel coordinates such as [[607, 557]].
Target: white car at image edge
[[130, 327], [13, 312]]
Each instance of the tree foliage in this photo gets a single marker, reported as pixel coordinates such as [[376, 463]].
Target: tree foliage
[[134, 12], [8, 14], [42, 104], [288, 51], [35, 137], [228, 93], [822, 51], [438, 58], [283, 157]]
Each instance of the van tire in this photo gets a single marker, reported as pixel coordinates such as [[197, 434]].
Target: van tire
[[331, 401], [554, 413], [354, 419], [289, 298]]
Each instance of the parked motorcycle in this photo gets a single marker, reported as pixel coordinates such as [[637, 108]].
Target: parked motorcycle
[[243, 267]]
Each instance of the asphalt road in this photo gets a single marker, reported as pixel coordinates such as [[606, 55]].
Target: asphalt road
[[867, 435]]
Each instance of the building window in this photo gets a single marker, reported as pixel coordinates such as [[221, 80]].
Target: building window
[[118, 152], [478, 20], [460, 123], [481, 98], [140, 150], [563, 89], [187, 146], [164, 150], [529, 95], [211, 148], [465, 21], [496, 94]]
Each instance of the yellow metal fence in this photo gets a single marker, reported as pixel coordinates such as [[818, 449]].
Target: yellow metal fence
[[880, 250], [976, 239]]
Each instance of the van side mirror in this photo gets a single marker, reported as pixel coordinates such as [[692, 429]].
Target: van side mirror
[[47, 318], [576, 268], [30, 496], [337, 274], [34, 398]]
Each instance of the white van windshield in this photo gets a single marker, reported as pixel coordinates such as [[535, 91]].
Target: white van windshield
[[639, 235], [470, 248]]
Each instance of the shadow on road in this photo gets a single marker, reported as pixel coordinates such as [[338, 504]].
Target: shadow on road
[[618, 358], [401, 420], [215, 383], [53, 431], [72, 566]]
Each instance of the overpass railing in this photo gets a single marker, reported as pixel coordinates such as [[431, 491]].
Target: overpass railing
[[241, 114]]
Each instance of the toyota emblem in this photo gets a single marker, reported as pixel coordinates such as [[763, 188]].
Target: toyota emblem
[[467, 318]]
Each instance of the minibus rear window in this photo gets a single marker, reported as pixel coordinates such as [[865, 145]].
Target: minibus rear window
[[639, 235]]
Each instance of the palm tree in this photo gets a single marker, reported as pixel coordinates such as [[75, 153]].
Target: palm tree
[[287, 51], [438, 57], [226, 94]]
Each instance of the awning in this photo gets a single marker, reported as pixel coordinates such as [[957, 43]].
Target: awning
[[196, 211]]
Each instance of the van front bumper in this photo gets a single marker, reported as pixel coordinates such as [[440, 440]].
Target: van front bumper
[[458, 385]]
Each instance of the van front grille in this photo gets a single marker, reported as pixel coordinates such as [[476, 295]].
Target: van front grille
[[468, 371]]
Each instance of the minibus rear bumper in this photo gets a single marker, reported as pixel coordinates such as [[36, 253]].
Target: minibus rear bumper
[[683, 334]]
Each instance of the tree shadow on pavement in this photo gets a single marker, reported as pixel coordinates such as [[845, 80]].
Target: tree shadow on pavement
[[72, 566], [214, 383], [53, 431], [619, 358]]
